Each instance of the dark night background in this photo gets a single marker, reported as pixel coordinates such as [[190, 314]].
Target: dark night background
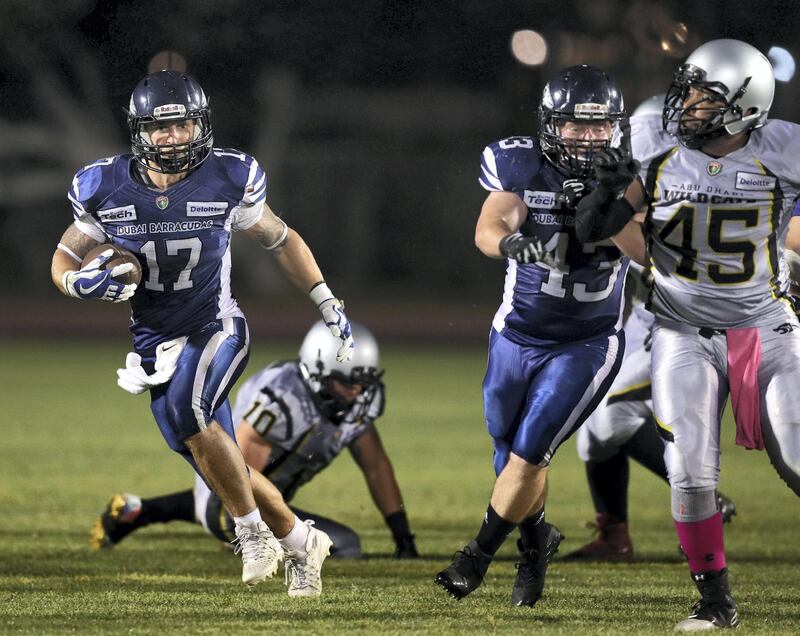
[[369, 118]]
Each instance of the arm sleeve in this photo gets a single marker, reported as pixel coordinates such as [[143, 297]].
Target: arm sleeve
[[490, 179], [85, 185], [251, 205], [507, 165]]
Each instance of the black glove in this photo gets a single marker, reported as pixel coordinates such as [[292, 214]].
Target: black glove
[[406, 547], [523, 249], [571, 192], [615, 169]]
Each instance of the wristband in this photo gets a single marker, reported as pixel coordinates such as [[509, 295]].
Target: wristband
[[319, 293], [68, 288], [502, 247]]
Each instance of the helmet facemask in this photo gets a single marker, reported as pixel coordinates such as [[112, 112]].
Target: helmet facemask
[[573, 156], [706, 119], [335, 406], [172, 158]]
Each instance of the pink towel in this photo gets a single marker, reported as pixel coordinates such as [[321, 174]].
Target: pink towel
[[744, 358]]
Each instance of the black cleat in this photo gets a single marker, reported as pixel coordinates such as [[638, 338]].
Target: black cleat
[[726, 507], [715, 609], [529, 584], [116, 521], [466, 572]]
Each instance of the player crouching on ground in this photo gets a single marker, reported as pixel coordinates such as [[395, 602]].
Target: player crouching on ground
[[294, 418]]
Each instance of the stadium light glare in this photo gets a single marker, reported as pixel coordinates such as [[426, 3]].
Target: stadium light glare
[[782, 63], [528, 47]]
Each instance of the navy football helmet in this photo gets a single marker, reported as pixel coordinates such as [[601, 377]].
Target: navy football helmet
[[582, 94], [318, 365], [164, 97]]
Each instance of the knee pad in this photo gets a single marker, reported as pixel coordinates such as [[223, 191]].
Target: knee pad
[[694, 504]]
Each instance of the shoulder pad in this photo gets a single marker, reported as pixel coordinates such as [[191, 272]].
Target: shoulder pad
[[248, 393], [775, 148], [244, 172], [509, 164], [90, 185], [648, 138]]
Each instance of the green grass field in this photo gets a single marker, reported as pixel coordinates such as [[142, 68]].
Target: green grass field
[[71, 438]]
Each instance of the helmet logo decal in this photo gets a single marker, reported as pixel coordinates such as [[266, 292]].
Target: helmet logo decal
[[713, 168], [547, 98], [591, 111], [162, 202], [169, 111]]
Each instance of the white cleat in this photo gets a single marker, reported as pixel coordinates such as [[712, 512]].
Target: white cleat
[[303, 573], [261, 553]]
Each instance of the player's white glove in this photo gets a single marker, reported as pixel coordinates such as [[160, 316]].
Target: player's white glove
[[332, 310], [93, 282], [134, 379]]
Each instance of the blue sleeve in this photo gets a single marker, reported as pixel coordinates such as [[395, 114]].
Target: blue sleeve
[[508, 165], [246, 174], [796, 211], [85, 191]]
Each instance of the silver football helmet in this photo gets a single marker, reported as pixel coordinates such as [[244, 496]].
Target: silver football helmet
[[318, 365], [738, 85]]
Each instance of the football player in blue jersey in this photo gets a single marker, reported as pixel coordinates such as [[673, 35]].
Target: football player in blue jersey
[[556, 341], [293, 419], [174, 202]]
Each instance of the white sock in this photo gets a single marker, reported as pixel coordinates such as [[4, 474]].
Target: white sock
[[297, 537], [250, 520]]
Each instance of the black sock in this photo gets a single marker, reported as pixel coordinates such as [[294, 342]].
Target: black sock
[[647, 448], [398, 524], [533, 530], [493, 532], [178, 506], [608, 483]]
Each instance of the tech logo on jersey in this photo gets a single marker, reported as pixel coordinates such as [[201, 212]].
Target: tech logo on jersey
[[117, 215], [713, 168], [541, 199]]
